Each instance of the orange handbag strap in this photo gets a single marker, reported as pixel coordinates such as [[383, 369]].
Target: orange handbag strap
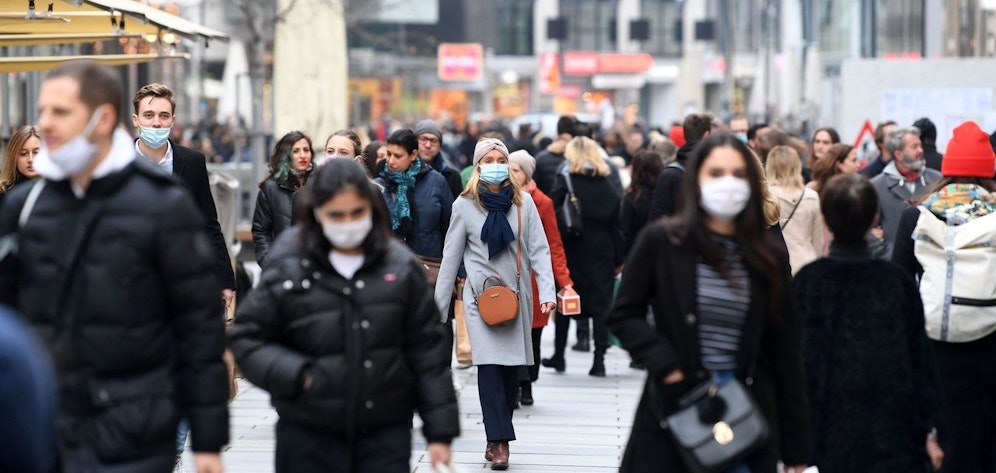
[[518, 252]]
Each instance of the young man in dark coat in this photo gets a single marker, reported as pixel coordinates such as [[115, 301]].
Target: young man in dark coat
[[155, 114], [114, 271]]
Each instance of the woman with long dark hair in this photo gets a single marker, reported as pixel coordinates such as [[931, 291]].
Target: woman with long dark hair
[[344, 335], [647, 166], [22, 148], [718, 281], [290, 166]]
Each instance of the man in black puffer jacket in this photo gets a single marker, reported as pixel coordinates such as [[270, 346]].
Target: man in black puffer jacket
[[115, 272]]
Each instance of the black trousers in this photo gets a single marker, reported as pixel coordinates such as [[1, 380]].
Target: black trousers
[[498, 386], [533, 370], [967, 427], [301, 449], [561, 325]]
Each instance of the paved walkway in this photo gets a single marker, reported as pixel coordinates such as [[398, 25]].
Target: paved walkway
[[578, 424]]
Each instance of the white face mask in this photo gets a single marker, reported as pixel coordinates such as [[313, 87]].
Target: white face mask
[[725, 197], [347, 236], [75, 155]]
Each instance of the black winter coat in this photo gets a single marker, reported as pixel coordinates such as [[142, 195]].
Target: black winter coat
[[668, 187], [190, 166], [869, 368], [431, 205], [661, 273], [373, 344], [593, 256], [444, 166], [635, 214], [135, 323], [273, 214]]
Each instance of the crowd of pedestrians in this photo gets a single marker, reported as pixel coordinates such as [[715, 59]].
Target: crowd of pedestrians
[[846, 301]]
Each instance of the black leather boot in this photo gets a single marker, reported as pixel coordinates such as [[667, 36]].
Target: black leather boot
[[526, 393], [598, 366]]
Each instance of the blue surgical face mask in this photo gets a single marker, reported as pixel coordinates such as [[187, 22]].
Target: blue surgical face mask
[[154, 138], [742, 137], [494, 173]]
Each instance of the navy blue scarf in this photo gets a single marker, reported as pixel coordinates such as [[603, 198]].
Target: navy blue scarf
[[496, 230]]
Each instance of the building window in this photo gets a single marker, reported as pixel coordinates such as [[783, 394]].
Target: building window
[[590, 25], [665, 27], [900, 27], [835, 27], [515, 36]]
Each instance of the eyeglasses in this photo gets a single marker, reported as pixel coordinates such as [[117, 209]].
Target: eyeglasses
[[429, 141]]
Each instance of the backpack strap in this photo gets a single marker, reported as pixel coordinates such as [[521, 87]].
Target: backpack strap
[[8, 243], [796, 206]]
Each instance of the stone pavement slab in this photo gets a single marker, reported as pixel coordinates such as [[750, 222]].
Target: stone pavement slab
[[578, 424]]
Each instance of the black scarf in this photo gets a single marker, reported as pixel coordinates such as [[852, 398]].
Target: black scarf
[[496, 230]]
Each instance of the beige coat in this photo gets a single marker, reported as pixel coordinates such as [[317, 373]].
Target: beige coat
[[804, 230]]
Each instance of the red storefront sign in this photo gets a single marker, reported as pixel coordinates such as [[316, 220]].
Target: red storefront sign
[[460, 61], [585, 63], [580, 63], [624, 63]]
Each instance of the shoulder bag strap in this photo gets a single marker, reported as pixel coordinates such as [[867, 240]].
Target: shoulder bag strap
[[567, 179], [518, 250], [9, 242], [787, 220], [29, 203]]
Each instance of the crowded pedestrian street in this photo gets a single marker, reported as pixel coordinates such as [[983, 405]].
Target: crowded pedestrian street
[[577, 424], [450, 236]]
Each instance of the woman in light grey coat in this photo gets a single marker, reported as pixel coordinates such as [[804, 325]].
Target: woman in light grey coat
[[484, 234]]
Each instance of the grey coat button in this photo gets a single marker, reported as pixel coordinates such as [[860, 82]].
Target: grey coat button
[[306, 263], [316, 275], [347, 291], [749, 381], [368, 364], [360, 284], [288, 284], [365, 324], [690, 319], [306, 284], [369, 404], [104, 396]]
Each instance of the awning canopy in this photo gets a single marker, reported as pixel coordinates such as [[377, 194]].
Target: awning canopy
[[43, 39], [44, 63], [155, 16], [99, 17]]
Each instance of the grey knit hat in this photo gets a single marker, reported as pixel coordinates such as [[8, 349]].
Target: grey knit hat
[[429, 126]]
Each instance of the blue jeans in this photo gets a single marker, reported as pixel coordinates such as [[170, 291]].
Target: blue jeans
[[722, 377], [181, 435]]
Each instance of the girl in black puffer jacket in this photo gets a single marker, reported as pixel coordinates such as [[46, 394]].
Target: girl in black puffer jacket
[[344, 334]]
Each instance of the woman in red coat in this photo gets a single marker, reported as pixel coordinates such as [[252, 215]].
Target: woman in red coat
[[521, 166]]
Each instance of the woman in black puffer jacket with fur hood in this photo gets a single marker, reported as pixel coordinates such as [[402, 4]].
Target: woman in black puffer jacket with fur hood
[[344, 334]]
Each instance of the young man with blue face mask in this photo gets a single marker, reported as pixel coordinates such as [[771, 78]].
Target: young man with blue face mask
[[114, 271], [154, 117]]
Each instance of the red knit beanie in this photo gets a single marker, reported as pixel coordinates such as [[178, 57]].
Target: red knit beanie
[[677, 135], [969, 153]]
